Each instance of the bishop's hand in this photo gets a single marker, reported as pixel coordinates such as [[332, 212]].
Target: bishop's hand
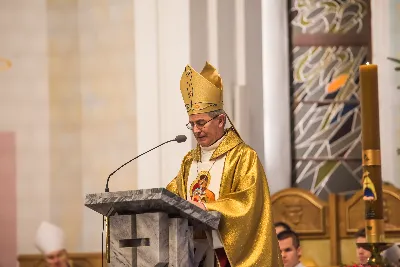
[[198, 204]]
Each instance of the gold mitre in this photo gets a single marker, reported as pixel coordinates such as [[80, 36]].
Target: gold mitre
[[202, 92]]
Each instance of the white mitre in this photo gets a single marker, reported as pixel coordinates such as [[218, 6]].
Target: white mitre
[[49, 238]]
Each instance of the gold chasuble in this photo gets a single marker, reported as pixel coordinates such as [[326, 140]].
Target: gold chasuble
[[246, 226], [237, 188]]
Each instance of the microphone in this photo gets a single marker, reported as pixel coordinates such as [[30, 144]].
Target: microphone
[[178, 138]]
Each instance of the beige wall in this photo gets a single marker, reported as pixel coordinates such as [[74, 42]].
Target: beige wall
[[70, 99], [317, 251], [24, 106], [107, 91], [8, 205], [65, 118]]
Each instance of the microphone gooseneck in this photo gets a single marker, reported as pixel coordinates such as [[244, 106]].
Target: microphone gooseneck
[[179, 139]]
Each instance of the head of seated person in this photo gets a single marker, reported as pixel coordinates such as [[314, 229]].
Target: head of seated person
[[289, 245], [281, 226], [362, 254], [50, 242], [291, 251]]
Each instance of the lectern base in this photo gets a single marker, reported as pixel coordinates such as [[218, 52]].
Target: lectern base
[[150, 239]]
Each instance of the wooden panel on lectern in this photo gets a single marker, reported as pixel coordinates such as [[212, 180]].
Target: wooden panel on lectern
[[353, 212], [301, 210]]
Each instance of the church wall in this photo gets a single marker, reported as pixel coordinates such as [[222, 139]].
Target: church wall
[[8, 198], [386, 43], [316, 250], [65, 119], [25, 112], [108, 107], [69, 99], [395, 51]]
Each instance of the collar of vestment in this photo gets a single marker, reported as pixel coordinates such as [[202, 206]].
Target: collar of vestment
[[212, 147], [230, 141]]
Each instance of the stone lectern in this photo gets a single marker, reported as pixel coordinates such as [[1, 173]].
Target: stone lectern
[[151, 227]]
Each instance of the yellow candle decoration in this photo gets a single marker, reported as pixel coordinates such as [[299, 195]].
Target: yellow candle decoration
[[372, 179]]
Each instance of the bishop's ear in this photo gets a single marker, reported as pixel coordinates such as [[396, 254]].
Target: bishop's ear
[[222, 120]]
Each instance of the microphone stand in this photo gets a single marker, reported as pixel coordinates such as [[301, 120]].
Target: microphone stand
[[108, 179], [102, 245], [106, 219]]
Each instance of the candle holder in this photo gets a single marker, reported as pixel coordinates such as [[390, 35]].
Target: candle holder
[[371, 162]]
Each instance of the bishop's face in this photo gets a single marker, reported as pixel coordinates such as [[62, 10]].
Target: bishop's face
[[57, 259], [207, 130]]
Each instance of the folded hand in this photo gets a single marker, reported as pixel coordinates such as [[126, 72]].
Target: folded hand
[[198, 204]]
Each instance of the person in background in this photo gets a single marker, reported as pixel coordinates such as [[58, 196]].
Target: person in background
[[50, 242], [289, 245], [281, 226], [362, 254]]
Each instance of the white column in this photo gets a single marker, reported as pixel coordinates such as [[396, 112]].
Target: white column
[[381, 44], [147, 97], [395, 51], [276, 94], [161, 53], [174, 50], [198, 33], [212, 26], [240, 103], [253, 90], [226, 51], [240, 44]]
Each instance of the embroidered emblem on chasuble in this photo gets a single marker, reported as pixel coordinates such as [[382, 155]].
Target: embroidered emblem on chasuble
[[204, 179], [199, 188]]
